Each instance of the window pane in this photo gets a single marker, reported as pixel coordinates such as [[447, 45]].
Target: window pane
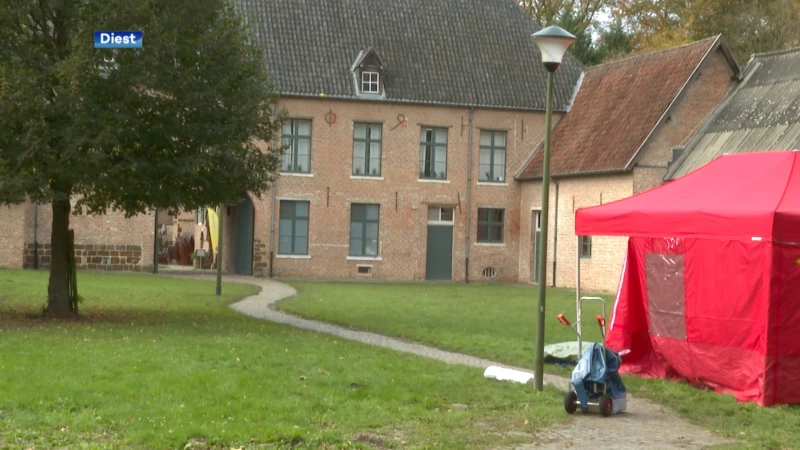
[[301, 245], [441, 153], [285, 245], [486, 156], [496, 234], [375, 166], [356, 247], [287, 127], [304, 127], [375, 131], [424, 135], [360, 131], [372, 231], [433, 213], [356, 230], [359, 149], [441, 135], [359, 166], [497, 215], [371, 247], [447, 214], [375, 150], [301, 209], [483, 233], [303, 163], [287, 208], [483, 214], [303, 146], [301, 227], [486, 138], [285, 227], [500, 139], [372, 212], [441, 170], [499, 158], [485, 172], [357, 213]]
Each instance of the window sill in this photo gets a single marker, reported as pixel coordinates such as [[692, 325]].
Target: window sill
[[490, 244], [293, 256], [426, 180], [365, 177], [365, 258], [297, 174], [491, 183]]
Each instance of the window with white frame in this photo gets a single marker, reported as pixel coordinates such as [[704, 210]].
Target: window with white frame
[[370, 82], [437, 214]]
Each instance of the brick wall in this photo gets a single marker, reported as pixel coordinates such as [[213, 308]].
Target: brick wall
[[601, 271], [403, 199], [108, 235], [12, 236], [706, 90]]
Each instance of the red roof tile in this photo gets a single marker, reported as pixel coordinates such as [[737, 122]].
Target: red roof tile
[[616, 108]]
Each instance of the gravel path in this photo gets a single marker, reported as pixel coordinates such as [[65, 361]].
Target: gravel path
[[643, 425]]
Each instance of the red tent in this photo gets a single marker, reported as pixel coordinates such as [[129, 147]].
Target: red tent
[[710, 290]]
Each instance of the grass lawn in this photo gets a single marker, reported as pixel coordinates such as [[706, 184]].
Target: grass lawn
[[158, 362], [499, 322]]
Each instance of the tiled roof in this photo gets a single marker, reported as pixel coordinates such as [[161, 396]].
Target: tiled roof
[[761, 114], [617, 107], [454, 52]]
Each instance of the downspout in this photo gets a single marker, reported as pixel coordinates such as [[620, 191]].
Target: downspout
[[469, 196], [156, 238], [555, 238], [36, 238], [272, 211]]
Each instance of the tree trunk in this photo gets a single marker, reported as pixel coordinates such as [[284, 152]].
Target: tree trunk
[[58, 304]]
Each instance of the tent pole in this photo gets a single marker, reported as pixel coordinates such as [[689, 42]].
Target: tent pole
[[578, 293]]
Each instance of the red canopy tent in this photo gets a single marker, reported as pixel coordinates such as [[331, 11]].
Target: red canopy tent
[[710, 290]]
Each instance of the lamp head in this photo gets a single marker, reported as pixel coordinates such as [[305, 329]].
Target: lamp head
[[553, 42]]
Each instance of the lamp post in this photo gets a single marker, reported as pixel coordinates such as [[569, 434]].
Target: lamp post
[[553, 42]]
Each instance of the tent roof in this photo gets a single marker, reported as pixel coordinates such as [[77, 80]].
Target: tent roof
[[740, 196]]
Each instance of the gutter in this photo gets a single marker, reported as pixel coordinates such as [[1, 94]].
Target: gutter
[[469, 195], [577, 174]]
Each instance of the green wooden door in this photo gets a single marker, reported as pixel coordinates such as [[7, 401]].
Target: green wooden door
[[244, 237], [439, 262]]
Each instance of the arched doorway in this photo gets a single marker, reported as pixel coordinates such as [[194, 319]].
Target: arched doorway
[[245, 220]]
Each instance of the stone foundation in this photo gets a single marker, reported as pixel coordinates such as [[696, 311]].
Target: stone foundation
[[92, 257]]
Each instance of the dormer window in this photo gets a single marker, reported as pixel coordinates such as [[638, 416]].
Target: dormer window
[[368, 73], [370, 82]]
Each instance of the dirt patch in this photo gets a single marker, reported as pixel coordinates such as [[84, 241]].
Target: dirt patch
[[372, 439]]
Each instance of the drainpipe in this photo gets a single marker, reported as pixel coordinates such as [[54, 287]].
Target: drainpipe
[[36, 238], [156, 238], [555, 238], [469, 192], [272, 232]]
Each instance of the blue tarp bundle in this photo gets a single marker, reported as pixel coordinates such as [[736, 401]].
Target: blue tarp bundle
[[592, 368]]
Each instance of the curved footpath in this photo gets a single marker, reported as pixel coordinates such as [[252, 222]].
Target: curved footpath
[[643, 425]]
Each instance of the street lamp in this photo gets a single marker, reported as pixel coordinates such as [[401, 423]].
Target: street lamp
[[553, 42]]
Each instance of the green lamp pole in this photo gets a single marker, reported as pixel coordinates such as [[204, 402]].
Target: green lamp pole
[[219, 249], [553, 42]]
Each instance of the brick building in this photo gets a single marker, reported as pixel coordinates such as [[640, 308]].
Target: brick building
[[629, 120], [403, 136]]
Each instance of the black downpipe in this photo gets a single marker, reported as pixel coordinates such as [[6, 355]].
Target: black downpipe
[[555, 238]]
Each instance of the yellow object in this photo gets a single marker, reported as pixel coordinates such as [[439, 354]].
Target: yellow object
[[213, 228]]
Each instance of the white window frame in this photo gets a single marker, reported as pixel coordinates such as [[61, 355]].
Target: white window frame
[[439, 220], [367, 82]]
